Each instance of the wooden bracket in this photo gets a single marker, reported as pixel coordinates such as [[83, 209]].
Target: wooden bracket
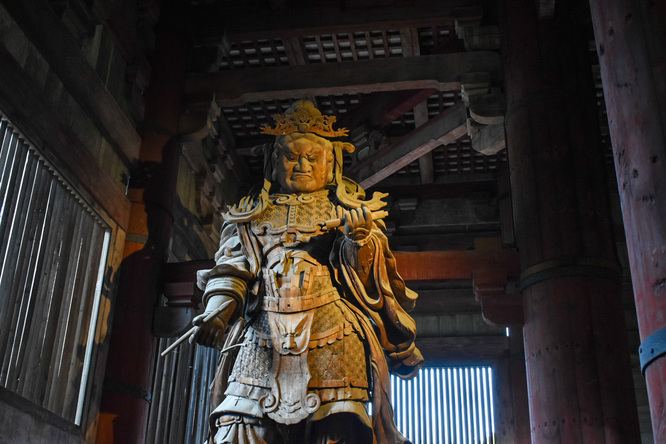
[[498, 307]]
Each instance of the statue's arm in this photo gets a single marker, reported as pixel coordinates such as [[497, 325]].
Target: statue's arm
[[379, 290], [226, 282]]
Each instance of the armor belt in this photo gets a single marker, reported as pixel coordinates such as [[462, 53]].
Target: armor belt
[[299, 303]]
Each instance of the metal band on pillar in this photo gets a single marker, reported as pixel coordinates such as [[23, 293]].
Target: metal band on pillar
[[569, 267], [652, 348]]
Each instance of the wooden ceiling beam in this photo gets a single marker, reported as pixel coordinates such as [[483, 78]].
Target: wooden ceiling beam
[[426, 266], [383, 108], [426, 163], [445, 301], [250, 19], [441, 72], [415, 101], [463, 350], [441, 130]]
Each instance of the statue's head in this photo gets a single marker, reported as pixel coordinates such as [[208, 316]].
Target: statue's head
[[302, 162], [303, 157]]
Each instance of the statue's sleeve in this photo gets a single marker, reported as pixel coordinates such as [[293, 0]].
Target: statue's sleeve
[[233, 269], [369, 271]]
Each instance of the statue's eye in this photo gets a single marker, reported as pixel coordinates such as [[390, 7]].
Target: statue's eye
[[313, 158], [290, 157]]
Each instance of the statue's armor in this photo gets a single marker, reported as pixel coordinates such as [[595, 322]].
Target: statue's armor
[[303, 351]]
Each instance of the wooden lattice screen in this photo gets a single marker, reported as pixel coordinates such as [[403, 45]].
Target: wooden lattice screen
[[179, 407], [443, 405], [53, 250]]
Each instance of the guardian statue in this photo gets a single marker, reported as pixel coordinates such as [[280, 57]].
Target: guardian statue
[[307, 290]]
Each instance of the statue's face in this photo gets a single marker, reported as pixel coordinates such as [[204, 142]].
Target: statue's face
[[303, 163]]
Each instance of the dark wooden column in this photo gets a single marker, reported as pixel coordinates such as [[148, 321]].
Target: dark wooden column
[[129, 372], [631, 44], [578, 375], [512, 423]]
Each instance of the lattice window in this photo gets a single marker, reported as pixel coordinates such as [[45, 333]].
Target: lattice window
[[349, 46], [179, 408], [246, 120], [340, 104], [53, 249], [443, 405], [460, 158], [441, 101], [255, 53]]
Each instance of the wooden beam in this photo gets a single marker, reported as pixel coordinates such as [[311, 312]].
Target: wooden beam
[[411, 242], [444, 265], [381, 109], [442, 130], [411, 48], [294, 50], [463, 350], [427, 168], [426, 164], [420, 266], [251, 20], [441, 72], [59, 48], [26, 107], [500, 306], [403, 103], [445, 301], [410, 42], [487, 139]]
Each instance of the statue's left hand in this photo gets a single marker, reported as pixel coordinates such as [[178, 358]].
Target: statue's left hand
[[358, 223]]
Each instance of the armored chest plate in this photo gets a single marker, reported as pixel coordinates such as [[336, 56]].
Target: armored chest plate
[[294, 218]]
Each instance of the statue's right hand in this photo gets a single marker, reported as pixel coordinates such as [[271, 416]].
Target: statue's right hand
[[211, 333]]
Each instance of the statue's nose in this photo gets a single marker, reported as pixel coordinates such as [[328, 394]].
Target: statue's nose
[[303, 164]]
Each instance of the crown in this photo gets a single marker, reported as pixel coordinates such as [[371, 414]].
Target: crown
[[303, 117]]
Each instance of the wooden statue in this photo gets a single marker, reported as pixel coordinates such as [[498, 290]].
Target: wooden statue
[[315, 307]]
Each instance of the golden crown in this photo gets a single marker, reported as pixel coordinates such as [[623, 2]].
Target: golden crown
[[303, 117]]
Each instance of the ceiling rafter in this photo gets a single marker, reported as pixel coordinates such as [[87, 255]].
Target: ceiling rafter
[[442, 72], [442, 130], [249, 18]]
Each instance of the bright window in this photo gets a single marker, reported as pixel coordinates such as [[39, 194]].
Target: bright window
[[443, 405]]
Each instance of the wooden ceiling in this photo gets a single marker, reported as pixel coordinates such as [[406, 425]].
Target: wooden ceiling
[[417, 83]]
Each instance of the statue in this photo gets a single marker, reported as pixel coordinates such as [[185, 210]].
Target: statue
[[315, 310]]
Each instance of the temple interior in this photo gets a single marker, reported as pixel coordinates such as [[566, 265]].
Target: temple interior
[[522, 145]]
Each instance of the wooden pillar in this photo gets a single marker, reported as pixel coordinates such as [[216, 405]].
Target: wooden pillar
[[579, 380], [512, 423], [631, 44], [128, 381]]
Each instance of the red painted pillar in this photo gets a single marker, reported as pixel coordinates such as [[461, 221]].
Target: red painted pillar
[[578, 375], [129, 373], [631, 44]]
